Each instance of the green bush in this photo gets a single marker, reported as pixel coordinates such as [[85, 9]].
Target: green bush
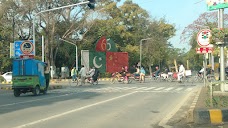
[[1, 79]]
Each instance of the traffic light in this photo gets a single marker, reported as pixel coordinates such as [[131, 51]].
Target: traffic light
[[91, 4]]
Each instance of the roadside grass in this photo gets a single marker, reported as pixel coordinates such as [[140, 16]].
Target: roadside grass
[[218, 101]]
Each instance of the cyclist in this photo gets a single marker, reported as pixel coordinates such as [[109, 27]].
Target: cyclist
[[142, 74], [122, 73]]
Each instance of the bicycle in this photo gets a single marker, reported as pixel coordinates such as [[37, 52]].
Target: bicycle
[[74, 82]]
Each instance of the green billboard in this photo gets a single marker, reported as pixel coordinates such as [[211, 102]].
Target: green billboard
[[216, 4]]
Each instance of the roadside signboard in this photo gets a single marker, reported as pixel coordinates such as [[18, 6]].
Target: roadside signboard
[[203, 37], [216, 4], [23, 47], [203, 50]]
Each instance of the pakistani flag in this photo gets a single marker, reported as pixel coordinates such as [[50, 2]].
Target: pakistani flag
[[94, 59], [111, 46]]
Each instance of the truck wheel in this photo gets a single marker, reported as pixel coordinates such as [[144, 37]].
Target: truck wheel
[[17, 92], [36, 90]]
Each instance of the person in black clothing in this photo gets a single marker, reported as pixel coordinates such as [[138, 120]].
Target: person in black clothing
[[95, 75], [123, 72], [133, 69]]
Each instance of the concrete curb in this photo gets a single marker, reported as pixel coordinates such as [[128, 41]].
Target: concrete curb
[[6, 88], [213, 116], [206, 116], [192, 107], [4, 82]]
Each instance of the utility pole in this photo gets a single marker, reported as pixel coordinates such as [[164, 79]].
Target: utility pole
[[141, 50], [221, 45]]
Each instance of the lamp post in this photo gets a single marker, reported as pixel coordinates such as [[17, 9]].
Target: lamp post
[[76, 51], [141, 50], [67, 6]]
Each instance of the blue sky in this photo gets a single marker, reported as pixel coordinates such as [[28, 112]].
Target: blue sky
[[178, 12]]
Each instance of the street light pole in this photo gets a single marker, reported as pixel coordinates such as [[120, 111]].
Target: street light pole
[[76, 52], [67, 6], [140, 62]]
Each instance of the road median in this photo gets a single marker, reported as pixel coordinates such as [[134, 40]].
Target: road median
[[203, 114]]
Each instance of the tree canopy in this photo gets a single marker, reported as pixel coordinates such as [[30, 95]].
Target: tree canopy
[[126, 24]]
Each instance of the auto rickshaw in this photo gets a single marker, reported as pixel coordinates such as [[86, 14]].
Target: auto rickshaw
[[29, 76]]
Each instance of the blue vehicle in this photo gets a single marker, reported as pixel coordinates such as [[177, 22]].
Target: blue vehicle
[[28, 76]]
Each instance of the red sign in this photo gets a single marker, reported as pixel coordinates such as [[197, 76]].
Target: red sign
[[27, 56], [203, 37], [203, 50]]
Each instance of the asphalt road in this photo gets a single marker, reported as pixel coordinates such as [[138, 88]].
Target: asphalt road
[[136, 105]]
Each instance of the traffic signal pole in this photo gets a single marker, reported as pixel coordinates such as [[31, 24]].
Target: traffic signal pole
[[53, 9]]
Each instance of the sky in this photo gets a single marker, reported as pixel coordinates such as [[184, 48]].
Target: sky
[[181, 13]]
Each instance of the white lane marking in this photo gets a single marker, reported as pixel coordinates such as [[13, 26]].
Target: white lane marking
[[140, 88], [35, 100], [149, 88], [170, 88], [126, 88], [159, 88], [178, 89], [72, 111], [189, 89]]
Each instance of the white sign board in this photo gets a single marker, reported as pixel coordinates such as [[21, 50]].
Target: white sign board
[[203, 37]]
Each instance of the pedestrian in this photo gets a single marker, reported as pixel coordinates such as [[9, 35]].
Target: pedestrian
[[95, 75], [73, 74], [47, 76], [181, 73], [142, 74], [82, 73]]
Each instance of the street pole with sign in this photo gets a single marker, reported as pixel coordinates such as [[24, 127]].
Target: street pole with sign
[[220, 5], [205, 48]]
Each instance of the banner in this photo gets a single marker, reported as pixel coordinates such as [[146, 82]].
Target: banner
[[97, 60], [101, 44], [111, 46], [93, 59], [115, 61]]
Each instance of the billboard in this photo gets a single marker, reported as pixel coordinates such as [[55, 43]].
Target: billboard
[[216, 4]]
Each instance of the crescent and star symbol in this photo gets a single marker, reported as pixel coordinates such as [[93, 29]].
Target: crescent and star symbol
[[95, 63]]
